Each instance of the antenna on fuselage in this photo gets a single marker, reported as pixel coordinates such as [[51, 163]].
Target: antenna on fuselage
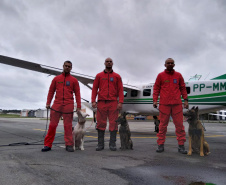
[[207, 76]]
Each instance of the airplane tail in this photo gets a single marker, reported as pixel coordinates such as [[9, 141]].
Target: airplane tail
[[222, 77]]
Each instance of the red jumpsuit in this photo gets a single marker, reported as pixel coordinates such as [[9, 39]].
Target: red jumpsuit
[[64, 85], [108, 87], [170, 86]]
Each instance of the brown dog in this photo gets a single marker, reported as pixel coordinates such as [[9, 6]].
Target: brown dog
[[124, 132], [197, 143]]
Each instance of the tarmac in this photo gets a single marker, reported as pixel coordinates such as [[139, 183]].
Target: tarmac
[[23, 163]]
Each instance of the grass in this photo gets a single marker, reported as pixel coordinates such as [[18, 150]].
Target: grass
[[9, 116]]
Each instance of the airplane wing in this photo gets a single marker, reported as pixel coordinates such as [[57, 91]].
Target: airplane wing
[[127, 87], [85, 79]]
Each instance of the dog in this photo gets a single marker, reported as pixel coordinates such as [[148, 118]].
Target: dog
[[124, 132], [197, 143], [79, 131]]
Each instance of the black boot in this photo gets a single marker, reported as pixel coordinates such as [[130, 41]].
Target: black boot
[[100, 145], [46, 149], [181, 149], [160, 148], [112, 144], [69, 148]]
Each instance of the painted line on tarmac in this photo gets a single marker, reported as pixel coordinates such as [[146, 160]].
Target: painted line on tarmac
[[45, 130], [153, 137], [215, 136]]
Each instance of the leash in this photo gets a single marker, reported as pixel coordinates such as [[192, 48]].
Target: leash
[[47, 120], [90, 125], [203, 125], [36, 142], [62, 112]]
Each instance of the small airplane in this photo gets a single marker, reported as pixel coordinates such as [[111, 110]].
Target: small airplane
[[208, 95]]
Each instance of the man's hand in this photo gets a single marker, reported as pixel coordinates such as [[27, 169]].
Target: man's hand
[[155, 104], [186, 106], [94, 105], [47, 106], [119, 107]]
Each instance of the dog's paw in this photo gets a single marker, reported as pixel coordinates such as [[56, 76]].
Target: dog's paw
[[201, 154], [189, 153]]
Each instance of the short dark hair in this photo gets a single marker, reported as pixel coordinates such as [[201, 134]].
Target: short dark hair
[[67, 61], [169, 59]]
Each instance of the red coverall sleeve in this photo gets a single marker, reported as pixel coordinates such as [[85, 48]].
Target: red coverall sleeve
[[77, 94], [51, 92], [120, 90], [95, 89], [183, 88], [157, 87]]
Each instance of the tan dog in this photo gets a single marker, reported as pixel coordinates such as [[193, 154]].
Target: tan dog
[[79, 131], [124, 132], [197, 143]]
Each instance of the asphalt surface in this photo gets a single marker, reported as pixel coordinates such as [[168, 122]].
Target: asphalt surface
[[22, 164]]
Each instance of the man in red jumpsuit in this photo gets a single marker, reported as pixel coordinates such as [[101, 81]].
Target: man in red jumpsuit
[[64, 85], [170, 86], [108, 86]]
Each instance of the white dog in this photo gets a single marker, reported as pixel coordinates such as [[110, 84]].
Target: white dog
[[79, 131]]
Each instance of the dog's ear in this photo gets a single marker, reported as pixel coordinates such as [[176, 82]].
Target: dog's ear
[[197, 109], [124, 114], [193, 107]]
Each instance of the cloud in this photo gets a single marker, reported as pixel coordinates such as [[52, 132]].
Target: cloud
[[138, 36]]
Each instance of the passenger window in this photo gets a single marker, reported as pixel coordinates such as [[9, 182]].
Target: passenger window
[[147, 92], [188, 90], [134, 93], [125, 93]]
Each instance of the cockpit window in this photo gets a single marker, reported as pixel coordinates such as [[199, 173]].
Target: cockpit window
[[125, 93]]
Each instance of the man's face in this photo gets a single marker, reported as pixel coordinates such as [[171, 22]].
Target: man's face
[[67, 67], [108, 63], [169, 64]]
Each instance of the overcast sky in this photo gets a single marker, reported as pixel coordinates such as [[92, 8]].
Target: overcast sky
[[137, 34]]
